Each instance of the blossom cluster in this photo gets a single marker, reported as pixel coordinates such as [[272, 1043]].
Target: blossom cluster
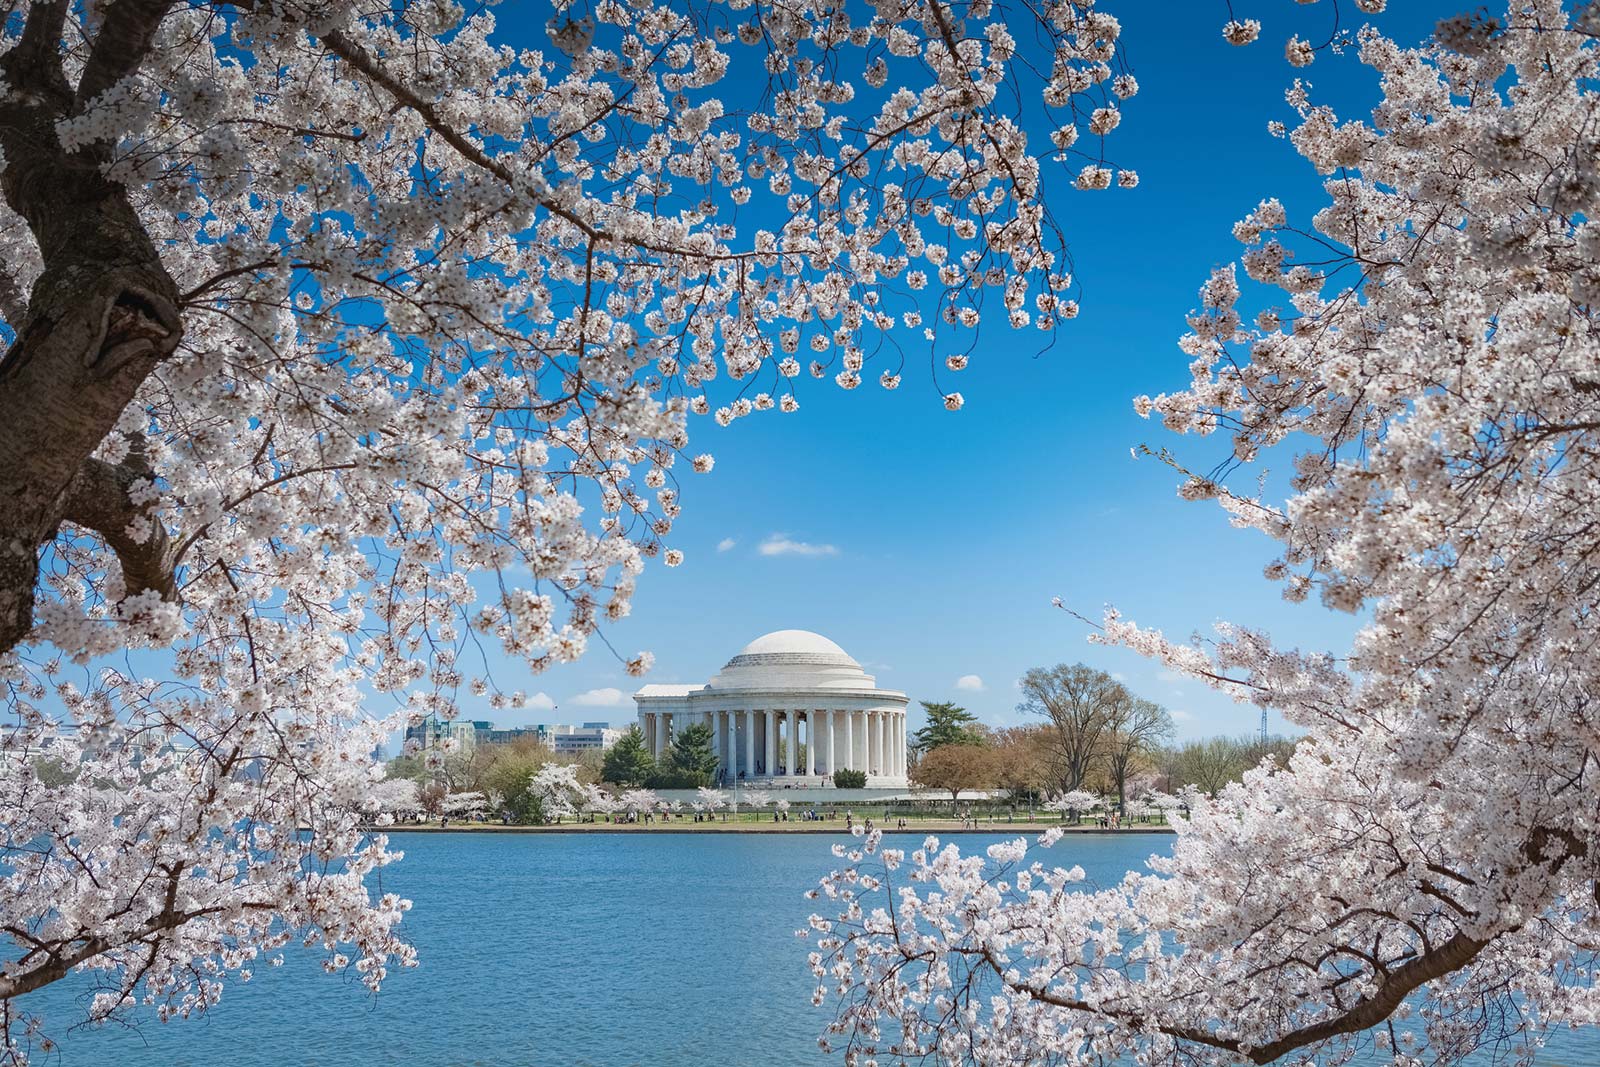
[[1419, 878], [448, 307]]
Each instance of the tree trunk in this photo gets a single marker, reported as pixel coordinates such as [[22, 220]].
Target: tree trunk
[[100, 318]]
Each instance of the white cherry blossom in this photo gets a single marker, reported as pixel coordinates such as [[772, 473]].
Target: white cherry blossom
[[1424, 358], [344, 338]]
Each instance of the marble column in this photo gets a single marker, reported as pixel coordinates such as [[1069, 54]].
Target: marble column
[[811, 742], [725, 720], [888, 742], [836, 722], [772, 743], [883, 742], [902, 749], [849, 741], [875, 731], [750, 743], [823, 765], [861, 740], [718, 737], [827, 717]]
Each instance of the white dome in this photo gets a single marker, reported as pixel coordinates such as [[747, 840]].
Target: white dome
[[780, 641], [792, 659]]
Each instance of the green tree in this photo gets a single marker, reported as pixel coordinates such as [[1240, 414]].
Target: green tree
[[506, 775], [848, 779], [407, 767], [455, 773], [692, 752], [948, 724], [628, 762]]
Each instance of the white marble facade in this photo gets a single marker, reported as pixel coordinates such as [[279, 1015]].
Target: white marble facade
[[788, 685]]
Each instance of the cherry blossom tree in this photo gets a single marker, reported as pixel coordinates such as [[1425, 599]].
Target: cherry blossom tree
[[1169, 806], [394, 796], [1074, 803], [598, 801], [342, 337], [1419, 876], [708, 799], [638, 801], [465, 804], [559, 793]]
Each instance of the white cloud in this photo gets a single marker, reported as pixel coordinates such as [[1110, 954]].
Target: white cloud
[[602, 698], [725, 544], [541, 701], [1179, 715], [970, 682], [782, 545]]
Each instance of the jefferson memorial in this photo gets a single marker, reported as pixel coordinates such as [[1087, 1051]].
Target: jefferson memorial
[[789, 686]]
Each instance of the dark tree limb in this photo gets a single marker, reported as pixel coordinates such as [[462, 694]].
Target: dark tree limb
[[103, 313], [98, 500], [125, 36]]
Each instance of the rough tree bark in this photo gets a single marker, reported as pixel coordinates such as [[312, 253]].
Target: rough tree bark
[[100, 318]]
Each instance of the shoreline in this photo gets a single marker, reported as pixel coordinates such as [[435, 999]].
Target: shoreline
[[751, 828]]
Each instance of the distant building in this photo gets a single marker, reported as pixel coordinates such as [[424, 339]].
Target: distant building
[[565, 738], [504, 735], [430, 732], [591, 736]]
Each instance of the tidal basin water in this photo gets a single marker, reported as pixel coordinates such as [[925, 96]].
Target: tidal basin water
[[594, 950]]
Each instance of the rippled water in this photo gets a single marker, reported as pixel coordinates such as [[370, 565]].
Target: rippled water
[[605, 950]]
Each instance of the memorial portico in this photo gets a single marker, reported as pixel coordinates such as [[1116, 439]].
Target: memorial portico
[[789, 691]]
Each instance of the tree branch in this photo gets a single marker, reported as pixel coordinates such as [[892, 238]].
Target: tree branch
[[125, 37], [99, 499]]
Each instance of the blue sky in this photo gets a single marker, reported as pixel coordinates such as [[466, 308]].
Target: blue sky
[[938, 539]]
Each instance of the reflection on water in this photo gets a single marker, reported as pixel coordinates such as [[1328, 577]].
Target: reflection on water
[[615, 950]]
